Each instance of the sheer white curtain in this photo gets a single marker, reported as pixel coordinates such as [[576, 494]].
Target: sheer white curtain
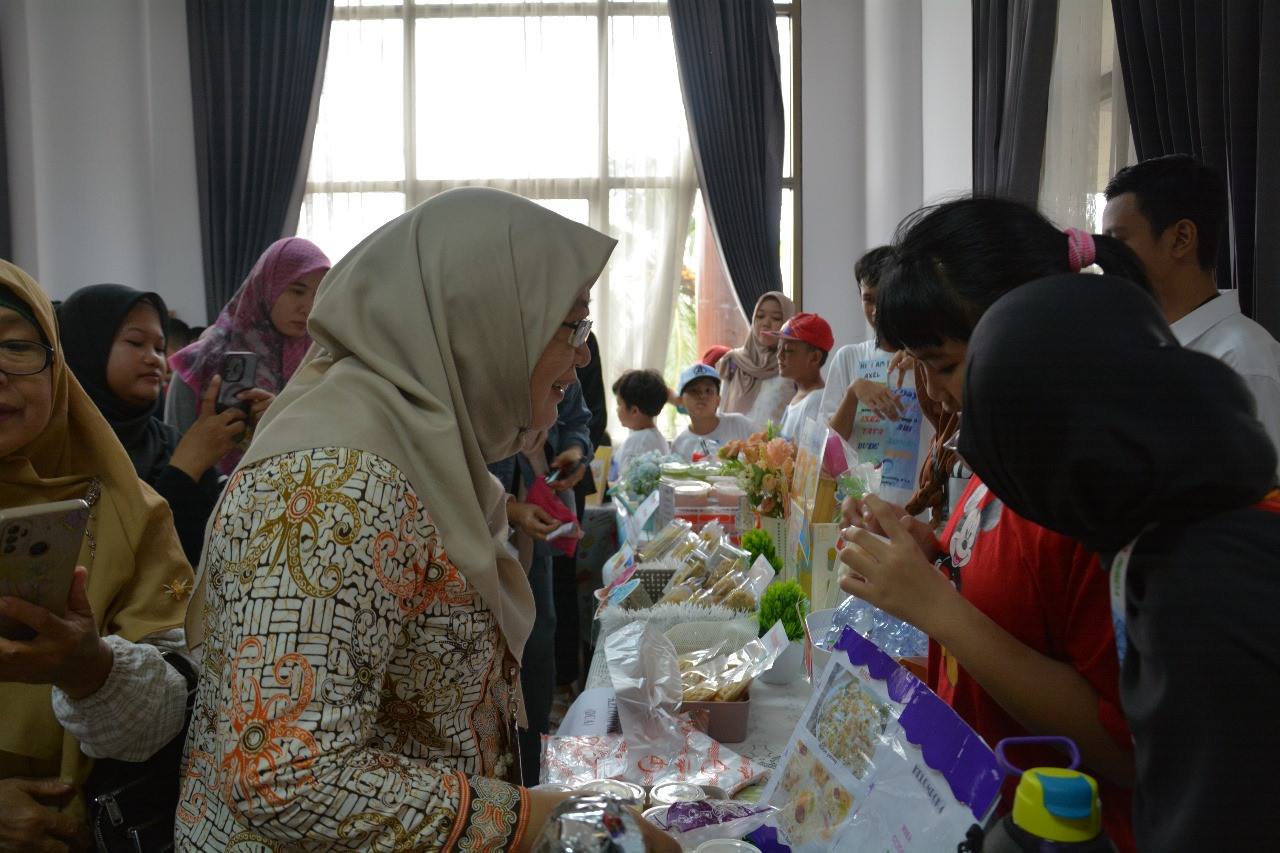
[[574, 105], [1069, 177], [1087, 137]]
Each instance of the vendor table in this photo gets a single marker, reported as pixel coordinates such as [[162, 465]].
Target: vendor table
[[775, 710]]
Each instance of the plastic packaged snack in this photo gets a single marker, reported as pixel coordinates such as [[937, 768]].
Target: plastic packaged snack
[[666, 541], [725, 677]]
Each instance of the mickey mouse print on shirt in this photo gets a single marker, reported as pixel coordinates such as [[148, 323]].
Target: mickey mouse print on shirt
[[976, 518]]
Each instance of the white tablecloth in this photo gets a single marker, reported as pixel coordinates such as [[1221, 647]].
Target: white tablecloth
[[775, 710]]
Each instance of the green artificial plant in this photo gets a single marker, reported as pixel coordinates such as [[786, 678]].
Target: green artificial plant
[[784, 601], [758, 543]]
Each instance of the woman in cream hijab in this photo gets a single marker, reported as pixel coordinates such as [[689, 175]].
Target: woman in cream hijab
[[83, 685], [362, 619], [752, 385]]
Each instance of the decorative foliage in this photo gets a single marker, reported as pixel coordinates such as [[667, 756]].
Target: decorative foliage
[[758, 543], [784, 601], [763, 465]]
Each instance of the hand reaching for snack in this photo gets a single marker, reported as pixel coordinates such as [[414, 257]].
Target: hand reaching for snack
[[857, 513], [894, 575]]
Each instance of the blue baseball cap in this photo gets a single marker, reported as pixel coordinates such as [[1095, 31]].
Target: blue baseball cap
[[698, 371]]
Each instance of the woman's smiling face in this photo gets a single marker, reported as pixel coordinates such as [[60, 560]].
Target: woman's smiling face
[[557, 368], [26, 402], [768, 318]]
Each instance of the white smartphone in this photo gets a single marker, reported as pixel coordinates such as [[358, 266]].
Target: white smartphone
[[39, 546], [566, 528]]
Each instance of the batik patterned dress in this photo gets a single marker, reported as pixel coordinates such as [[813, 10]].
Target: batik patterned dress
[[356, 693]]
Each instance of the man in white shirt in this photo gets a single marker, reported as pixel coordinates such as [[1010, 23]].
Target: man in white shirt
[[1171, 212]]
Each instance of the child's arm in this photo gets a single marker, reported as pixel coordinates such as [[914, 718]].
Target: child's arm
[[877, 397], [1045, 696]]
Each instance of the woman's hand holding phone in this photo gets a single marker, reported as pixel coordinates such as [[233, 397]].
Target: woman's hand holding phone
[[567, 469], [66, 650], [213, 435]]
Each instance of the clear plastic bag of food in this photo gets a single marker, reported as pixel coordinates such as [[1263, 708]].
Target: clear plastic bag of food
[[698, 821], [694, 568], [667, 541], [725, 677]]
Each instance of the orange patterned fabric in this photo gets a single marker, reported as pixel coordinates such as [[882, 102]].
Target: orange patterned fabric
[[353, 694]]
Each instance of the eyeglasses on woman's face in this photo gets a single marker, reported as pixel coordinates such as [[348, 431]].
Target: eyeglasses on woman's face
[[581, 329], [24, 358]]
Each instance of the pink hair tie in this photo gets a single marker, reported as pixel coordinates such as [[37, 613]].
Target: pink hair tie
[[1081, 251]]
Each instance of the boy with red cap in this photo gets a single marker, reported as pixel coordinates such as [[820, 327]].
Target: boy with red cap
[[803, 344]]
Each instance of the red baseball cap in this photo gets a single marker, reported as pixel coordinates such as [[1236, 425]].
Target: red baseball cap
[[809, 328]]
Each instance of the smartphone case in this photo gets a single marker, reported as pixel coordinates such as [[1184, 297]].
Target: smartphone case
[[39, 546], [238, 372]]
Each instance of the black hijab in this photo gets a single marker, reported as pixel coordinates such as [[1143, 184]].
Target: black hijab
[[87, 322], [1084, 415]]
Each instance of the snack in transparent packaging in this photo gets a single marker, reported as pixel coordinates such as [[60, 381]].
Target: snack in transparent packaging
[[698, 821], [591, 824], [656, 744], [724, 677], [891, 634], [694, 569], [731, 590], [667, 541], [860, 480]]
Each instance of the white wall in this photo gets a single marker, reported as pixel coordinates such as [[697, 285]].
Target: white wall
[[101, 89], [101, 158], [886, 114]]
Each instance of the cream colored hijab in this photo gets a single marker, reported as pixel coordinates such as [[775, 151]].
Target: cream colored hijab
[[137, 572], [743, 369], [426, 335]]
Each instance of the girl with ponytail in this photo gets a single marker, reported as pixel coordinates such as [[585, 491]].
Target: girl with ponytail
[[1019, 618]]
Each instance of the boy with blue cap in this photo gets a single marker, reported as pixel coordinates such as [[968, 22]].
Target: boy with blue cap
[[699, 395]]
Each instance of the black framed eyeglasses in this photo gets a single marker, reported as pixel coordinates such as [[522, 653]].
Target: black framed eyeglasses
[[581, 329], [24, 358]]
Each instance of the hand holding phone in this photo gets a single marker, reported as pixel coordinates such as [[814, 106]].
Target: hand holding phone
[[566, 529], [238, 371], [39, 546]]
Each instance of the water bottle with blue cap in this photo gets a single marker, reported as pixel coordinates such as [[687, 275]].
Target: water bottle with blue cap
[[1055, 809]]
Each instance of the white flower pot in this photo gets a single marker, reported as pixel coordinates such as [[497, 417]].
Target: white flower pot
[[788, 665]]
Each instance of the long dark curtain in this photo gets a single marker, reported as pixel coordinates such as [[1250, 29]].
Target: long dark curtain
[[1012, 63], [1200, 80], [6, 221], [256, 70], [730, 76]]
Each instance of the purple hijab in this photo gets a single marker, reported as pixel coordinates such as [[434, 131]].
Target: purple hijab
[[245, 323]]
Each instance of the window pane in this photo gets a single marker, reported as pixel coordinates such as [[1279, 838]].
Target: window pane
[[787, 244], [646, 111], [506, 98], [360, 128], [336, 222], [577, 209], [786, 73]]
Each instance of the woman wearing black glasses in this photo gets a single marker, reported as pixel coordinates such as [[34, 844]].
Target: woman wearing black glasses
[[93, 682]]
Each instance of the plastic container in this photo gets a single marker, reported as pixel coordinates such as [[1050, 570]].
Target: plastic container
[[692, 493], [676, 792], [654, 814], [628, 792], [726, 721], [727, 494], [725, 845]]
